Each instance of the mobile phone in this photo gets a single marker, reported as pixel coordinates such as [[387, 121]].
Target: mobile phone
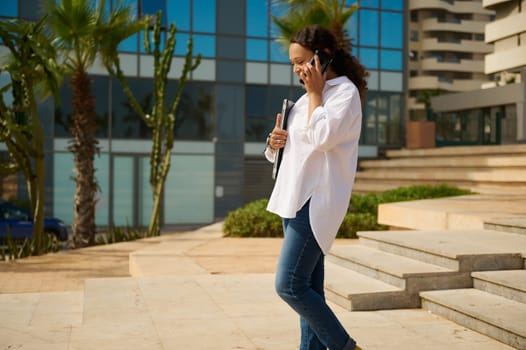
[[325, 60]]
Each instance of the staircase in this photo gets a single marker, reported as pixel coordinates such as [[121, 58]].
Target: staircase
[[483, 169], [473, 274]]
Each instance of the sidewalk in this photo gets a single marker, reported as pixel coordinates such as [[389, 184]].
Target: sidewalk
[[192, 290]]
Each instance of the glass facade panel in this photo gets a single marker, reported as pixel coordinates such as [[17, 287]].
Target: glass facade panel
[[204, 45], [369, 27], [123, 190], [393, 5], [391, 60], [195, 114], [130, 44], [63, 187], [179, 13], [204, 16], [126, 123], [257, 23], [257, 50], [189, 191], [9, 8], [102, 208], [369, 58], [151, 7], [278, 53], [144, 193], [181, 44], [372, 3], [392, 29]]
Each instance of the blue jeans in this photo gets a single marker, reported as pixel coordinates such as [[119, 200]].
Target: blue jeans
[[299, 282]]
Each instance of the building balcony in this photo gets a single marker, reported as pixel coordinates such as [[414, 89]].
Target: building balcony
[[462, 26], [450, 6], [469, 66], [506, 27], [435, 83], [490, 3], [433, 44], [508, 60]]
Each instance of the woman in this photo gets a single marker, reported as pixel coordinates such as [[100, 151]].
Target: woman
[[313, 186]]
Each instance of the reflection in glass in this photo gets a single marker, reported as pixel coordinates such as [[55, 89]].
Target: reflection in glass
[[195, 114], [63, 111], [126, 123]]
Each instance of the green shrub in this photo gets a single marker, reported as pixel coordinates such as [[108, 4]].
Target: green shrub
[[354, 222], [253, 220]]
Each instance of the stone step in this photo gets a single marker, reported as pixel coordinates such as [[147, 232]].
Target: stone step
[[513, 225], [515, 176], [459, 250], [461, 212], [515, 149], [494, 316], [357, 292], [474, 161], [405, 273], [510, 284]]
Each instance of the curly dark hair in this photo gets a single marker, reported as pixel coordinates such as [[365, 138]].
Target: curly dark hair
[[315, 37]]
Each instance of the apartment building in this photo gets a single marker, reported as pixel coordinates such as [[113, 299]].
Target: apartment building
[[496, 113], [446, 49]]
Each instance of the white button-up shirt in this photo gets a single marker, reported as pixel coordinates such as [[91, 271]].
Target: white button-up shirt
[[319, 160]]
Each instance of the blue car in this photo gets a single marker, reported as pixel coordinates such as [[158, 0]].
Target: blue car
[[18, 222]]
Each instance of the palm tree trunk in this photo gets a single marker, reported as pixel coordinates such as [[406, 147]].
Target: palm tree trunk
[[84, 146]]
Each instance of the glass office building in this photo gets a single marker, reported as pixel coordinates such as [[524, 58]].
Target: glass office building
[[227, 109]]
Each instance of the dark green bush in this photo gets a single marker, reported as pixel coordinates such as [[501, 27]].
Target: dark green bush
[[354, 222], [253, 220]]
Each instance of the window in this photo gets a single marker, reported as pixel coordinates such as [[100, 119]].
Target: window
[[9, 8], [204, 16], [392, 30], [369, 28], [257, 50], [257, 21], [391, 60], [178, 12]]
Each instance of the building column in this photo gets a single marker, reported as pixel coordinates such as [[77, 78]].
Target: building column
[[521, 111]]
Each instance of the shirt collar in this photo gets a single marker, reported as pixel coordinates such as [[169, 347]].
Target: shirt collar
[[337, 80]]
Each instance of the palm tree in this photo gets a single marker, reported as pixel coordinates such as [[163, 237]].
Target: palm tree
[[83, 33], [34, 73], [331, 14]]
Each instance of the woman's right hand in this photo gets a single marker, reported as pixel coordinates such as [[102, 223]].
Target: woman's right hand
[[278, 136]]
